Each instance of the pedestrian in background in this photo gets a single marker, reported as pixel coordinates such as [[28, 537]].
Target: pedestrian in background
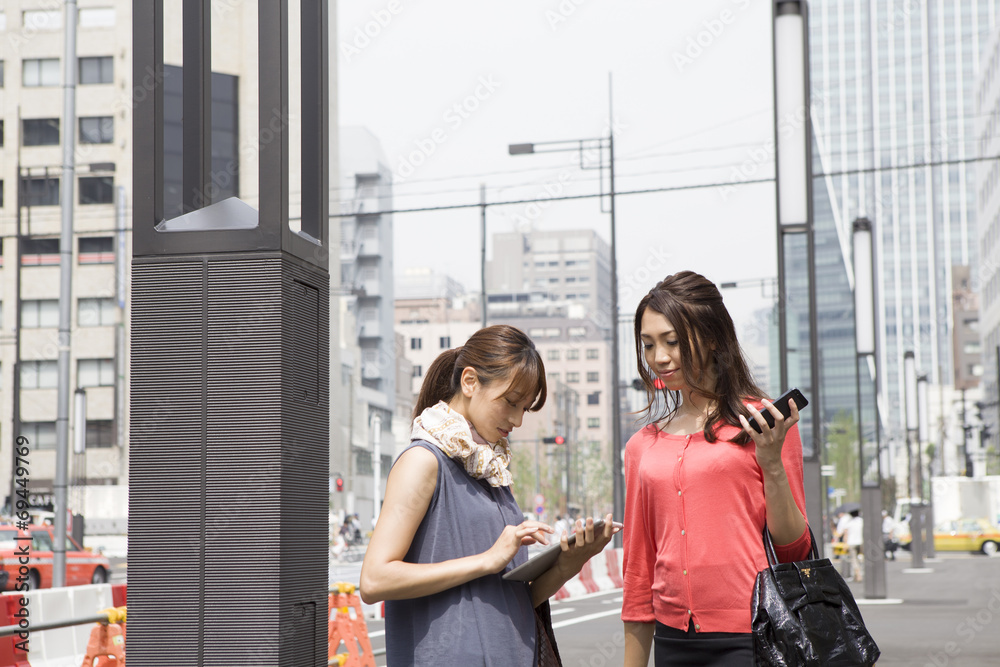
[[855, 538], [700, 484], [889, 536], [561, 527], [450, 526]]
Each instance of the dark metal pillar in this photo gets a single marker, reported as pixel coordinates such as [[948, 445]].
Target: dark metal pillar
[[229, 444]]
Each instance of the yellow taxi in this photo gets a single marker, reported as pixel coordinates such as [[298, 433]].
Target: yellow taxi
[[967, 535], [30, 548]]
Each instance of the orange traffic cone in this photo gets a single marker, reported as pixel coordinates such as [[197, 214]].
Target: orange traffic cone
[[351, 630], [106, 647]]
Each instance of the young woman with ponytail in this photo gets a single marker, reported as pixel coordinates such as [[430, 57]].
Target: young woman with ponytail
[[449, 526]]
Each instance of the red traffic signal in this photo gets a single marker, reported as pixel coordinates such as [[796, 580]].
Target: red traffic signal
[[340, 483], [560, 440], [554, 440]]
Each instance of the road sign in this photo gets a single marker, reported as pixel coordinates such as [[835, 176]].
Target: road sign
[[539, 499], [828, 470], [540, 510]]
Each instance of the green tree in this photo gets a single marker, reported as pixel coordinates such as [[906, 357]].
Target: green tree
[[842, 453]]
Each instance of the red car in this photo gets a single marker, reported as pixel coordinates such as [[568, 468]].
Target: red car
[[82, 566]]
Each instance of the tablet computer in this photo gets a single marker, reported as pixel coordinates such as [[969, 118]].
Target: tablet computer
[[543, 560]]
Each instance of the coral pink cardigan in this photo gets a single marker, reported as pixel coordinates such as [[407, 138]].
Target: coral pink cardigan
[[694, 516]]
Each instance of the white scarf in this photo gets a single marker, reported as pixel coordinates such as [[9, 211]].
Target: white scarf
[[456, 437]]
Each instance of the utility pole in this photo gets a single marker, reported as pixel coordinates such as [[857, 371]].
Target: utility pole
[[67, 188], [482, 255]]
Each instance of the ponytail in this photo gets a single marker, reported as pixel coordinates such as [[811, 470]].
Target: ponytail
[[440, 383]]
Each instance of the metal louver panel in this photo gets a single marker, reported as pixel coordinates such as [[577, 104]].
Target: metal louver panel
[[235, 571]]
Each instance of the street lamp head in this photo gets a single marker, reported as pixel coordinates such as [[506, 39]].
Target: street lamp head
[[521, 149], [782, 7]]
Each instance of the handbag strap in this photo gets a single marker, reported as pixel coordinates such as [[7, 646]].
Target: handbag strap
[[772, 558]]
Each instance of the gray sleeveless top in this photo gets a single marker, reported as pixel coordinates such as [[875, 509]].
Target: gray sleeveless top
[[483, 622]]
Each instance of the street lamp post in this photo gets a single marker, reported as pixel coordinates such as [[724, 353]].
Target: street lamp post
[[618, 482], [923, 429], [913, 462], [869, 454]]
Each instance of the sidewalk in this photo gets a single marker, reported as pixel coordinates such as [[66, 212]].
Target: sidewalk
[[948, 617]]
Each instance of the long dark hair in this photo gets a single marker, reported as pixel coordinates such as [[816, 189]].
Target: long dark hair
[[693, 305], [497, 352]]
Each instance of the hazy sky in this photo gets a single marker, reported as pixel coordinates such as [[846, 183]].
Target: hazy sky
[[447, 85]]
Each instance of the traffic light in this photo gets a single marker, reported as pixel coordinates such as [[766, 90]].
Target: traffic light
[[554, 440], [340, 483]]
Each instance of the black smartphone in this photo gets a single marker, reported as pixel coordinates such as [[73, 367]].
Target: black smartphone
[[782, 404]]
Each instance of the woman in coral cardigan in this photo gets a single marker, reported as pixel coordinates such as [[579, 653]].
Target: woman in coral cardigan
[[700, 484]]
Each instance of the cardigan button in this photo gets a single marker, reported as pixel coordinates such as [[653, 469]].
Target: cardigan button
[[697, 627]]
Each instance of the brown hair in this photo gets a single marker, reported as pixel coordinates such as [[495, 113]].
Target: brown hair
[[693, 306], [495, 353]]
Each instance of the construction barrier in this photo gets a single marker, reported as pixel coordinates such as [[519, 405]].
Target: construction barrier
[[603, 572], [59, 623], [106, 647], [348, 628]]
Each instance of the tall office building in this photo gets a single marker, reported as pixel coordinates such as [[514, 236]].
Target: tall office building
[[988, 201], [894, 115], [366, 275]]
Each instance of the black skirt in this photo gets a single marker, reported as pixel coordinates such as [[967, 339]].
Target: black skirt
[[676, 648]]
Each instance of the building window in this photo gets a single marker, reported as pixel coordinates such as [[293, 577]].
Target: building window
[[416, 343], [552, 355], [577, 331], [42, 374], [572, 377], [40, 191], [100, 433], [972, 348], [40, 132], [593, 353], [97, 130], [1, 119], [572, 354], [1, 201], [40, 313], [445, 342], [95, 373], [95, 313], [418, 371], [553, 377], [41, 435], [594, 398], [1, 71], [593, 376], [97, 190], [39, 252], [96, 250], [593, 422], [41, 19], [97, 17], [96, 70], [36, 72]]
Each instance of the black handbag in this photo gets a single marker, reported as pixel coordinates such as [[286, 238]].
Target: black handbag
[[805, 616], [548, 652]]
